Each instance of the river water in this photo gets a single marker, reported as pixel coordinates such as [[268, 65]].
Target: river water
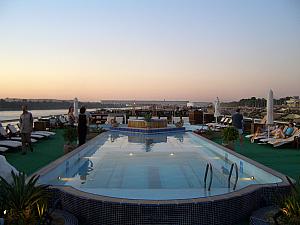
[[11, 115]]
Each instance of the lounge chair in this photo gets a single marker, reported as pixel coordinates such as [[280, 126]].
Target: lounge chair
[[62, 121], [39, 132], [16, 133], [43, 133], [264, 138], [119, 120], [5, 135], [3, 149], [215, 124], [53, 122], [176, 119], [163, 118], [224, 124], [10, 144], [186, 120], [282, 141], [109, 119]]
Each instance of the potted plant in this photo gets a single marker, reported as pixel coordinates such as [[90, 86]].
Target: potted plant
[[70, 137], [24, 202], [180, 123], [114, 122], [230, 135], [148, 119]]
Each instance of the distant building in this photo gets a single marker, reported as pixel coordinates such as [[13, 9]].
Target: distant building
[[198, 104], [144, 103], [293, 102]]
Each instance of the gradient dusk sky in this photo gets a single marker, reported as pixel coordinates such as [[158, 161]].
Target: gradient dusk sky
[[149, 49]]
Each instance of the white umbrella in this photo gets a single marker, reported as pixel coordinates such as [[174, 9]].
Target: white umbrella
[[76, 108], [217, 106], [270, 111]]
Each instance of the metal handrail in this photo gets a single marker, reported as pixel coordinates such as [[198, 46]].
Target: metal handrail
[[233, 165], [208, 167]]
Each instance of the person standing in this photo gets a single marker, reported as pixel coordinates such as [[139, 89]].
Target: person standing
[[237, 122], [82, 126], [26, 127], [71, 117]]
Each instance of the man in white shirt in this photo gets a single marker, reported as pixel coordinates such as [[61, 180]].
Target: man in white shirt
[[26, 127]]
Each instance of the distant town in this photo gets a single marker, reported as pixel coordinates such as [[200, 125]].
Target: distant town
[[7, 104]]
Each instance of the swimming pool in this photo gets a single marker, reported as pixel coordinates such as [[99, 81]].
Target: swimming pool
[[159, 170], [155, 167]]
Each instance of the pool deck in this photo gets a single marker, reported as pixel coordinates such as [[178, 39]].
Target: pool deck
[[45, 151], [285, 160]]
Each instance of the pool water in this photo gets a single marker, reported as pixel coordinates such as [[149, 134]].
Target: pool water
[[154, 167]]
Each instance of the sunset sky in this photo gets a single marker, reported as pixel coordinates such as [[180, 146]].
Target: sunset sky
[[149, 49]]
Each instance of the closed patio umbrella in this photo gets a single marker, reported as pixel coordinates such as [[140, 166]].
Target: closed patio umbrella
[[270, 111], [217, 112]]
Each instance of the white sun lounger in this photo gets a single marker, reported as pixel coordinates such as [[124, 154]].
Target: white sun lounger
[[4, 134], [186, 120], [227, 120], [282, 141], [216, 124], [109, 119], [176, 119], [14, 131], [42, 133], [10, 144], [20, 139], [3, 149], [119, 120]]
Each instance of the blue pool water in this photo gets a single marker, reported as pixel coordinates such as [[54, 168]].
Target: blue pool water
[[157, 167]]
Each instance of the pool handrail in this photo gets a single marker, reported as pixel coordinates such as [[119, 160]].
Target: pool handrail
[[208, 167], [233, 165]]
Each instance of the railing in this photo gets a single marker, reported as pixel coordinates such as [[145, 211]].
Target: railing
[[208, 168], [233, 165]]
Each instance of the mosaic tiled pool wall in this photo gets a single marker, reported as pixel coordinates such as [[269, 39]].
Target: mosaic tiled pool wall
[[226, 209]]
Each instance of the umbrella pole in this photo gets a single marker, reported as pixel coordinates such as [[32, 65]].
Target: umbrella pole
[[268, 131]]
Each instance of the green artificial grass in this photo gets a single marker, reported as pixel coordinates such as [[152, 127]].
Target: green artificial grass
[[285, 159], [45, 151]]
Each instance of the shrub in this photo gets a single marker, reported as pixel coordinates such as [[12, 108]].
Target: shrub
[[230, 135], [290, 206], [24, 202], [70, 135], [148, 117]]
